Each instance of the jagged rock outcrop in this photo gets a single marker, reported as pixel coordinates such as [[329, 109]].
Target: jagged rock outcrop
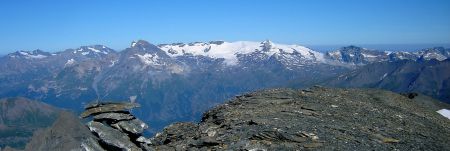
[[115, 127]]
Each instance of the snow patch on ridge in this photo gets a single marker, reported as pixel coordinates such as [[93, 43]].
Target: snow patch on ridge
[[113, 62], [445, 113], [148, 59], [85, 53], [39, 56], [369, 55], [94, 50], [69, 62]]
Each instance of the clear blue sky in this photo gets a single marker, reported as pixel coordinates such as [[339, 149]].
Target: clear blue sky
[[54, 25]]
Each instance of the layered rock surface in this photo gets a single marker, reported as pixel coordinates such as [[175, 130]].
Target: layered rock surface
[[317, 118]]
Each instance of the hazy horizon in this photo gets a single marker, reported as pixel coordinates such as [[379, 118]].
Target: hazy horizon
[[316, 47]]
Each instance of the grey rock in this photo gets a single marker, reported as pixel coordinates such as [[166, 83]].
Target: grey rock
[[177, 132], [147, 147], [90, 144], [112, 136], [134, 126], [144, 140], [113, 116]]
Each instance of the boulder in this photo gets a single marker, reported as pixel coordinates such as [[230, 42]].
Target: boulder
[[91, 144], [112, 136]]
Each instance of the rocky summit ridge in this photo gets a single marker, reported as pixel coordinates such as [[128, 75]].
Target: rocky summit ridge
[[317, 118]]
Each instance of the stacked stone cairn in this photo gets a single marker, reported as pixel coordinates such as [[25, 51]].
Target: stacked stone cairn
[[115, 127]]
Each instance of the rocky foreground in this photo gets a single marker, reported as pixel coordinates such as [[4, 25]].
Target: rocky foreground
[[283, 119], [317, 118]]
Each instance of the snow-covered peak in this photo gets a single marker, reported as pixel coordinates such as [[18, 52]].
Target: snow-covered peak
[[230, 50], [36, 54], [142, 46], [357, 55], [438, 53], [401, 55]]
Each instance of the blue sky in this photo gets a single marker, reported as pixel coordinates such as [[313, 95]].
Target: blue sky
[[54, 25]]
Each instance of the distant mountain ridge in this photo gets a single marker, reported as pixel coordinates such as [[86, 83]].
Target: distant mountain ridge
[[229, 52], [175, 81], [430, 77], [362, 56]]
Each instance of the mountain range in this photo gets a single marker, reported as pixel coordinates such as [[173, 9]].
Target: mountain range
[[177, 82]]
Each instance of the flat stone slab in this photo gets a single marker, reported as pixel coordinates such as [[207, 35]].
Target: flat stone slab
[[113, 116], [134, 126], [97, 104], [108, 107], [112, 136]]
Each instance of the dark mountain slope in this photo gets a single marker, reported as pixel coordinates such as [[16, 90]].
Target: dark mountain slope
[[430, 77], [65, 134], [20, 117]]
